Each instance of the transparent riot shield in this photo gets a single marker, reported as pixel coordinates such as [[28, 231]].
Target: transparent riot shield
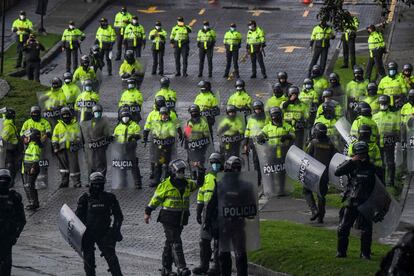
[[50, 107], [46, 159], [96, 83], [230, 132], [351, 104], [84, 109], [139, 73], [410, 144], [238, 216], [2, 148], [381, 204], [272, 166], [71, 228], [124, 164], [338, 182], [343, 127], [302, 167], [399, 152]]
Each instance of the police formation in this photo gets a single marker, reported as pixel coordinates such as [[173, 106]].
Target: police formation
[[322, 132]]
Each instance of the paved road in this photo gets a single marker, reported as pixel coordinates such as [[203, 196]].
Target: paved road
[[286, 24]]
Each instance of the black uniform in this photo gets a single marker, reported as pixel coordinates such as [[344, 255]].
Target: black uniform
[[12, 221], [361, 176], [32, 58], [95, 211]]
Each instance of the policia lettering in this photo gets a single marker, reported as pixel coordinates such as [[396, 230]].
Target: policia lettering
[[239, 211]]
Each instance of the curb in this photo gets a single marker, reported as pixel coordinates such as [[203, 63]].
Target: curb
[[56, 50], [256, 269]]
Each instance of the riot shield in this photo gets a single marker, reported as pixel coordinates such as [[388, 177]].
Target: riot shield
[[344, 129], [230, 132], [71, 228], [46, 159], [238, 216], [2, 148], [124, 162], [338, 182], [399, 154], [96, 83], [198, 144], [50, 107], [381, 204], [410, 144], [302, 167], [272, 166]]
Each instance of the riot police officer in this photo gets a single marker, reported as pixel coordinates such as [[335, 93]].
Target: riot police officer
[[408, 109], [71, 40], [169, 94], [134, 36], [96, 58], [12, 219], [132, 98], [320, 83], [328, 118], [376, 46], [70, 89], [355, 90], [131, 68], [310, 98], [322, 149], [22, 27], [364, 118], [84, 71], [240, 98], [208, 103], [86, 101], [361, 175], [105, 38], [173, 195], [206, 39], [231, 132], [53, 101], [205, 193], [406, 75], [371, 97], [320, 42], [10, 143], [335, 85], [180, 41], [122, 19], [96, 210], [282, 78], [393, 86], [32, 49], [278, 97]]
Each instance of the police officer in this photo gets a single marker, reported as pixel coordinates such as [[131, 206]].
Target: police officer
[[348, 38], [320, 42], [205, 193], [71, 39], [322, 149], [232, 43], [173, 195], [206, 39], [355, 90], [364, 118], [70, 89], [96, 210], [85, 101], [31, 169], [169, 94], [180, 41], [371, 97], [320, 83], [53, 101], [84, 71], [12, 219], [407, 110], [393, 86], [22, 27], [310, 98], [406, 75], [158, 36], [105, 38], [96, 58], [131, 68], [335, 85], [66, 142], [132, 98], [96, 137], [328, 96], [128, 131], [296, 114], [361, 175], [255, 43], [388, 123], [240, 98], [122, 19], [282, 78], [11, 145], [208, 103], [134, 37], [278, 97], [376, 46], [231, 132], [32, 49]]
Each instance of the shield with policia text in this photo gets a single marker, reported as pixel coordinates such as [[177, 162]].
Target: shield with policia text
[[410, 144], [272, 166], [343, 127], [123, 160], [302, 167], [230, 132], [71, 228], [3, 147], [238, 215], [338, 182], [197, 143], [50, 107], [46, 164]]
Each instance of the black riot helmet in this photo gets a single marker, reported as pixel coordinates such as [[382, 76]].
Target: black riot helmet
[[282, 77], [384, 102], [205, 86], [5, 181], [56, 83], [35, 113], [407, 69], [159, 102], [231, 110], [333, 79], [67, 77], [360, 148], [233, 164], [10, 113], [320, 130], [97, 183], [177, 168], [358, 74], [165, 82], [276, 114], [97, 111], [372, 89], [257, 104], [95, 49], [129, 56], [85, 61], [392, 68], [277, 90], [316, 71], [364, 133], [293, 90], [363, 109], [239, 85], [34, 135], [411, 96], [194, 111], [307, 83], [328, 110], [216, 157], [66, 115], [328, 93]]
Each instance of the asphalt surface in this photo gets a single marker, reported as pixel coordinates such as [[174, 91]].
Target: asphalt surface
[[41, 250]]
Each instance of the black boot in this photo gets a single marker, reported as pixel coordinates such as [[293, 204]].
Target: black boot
[[205, 255], [215, 267], [113, 263], [179, 259], [366, 240], [29, 195], [342, 247], [241, 264]]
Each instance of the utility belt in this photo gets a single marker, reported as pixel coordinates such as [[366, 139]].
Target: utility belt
[[215, 111], [163, 142], [225, 139], [100, 143], [198, 144]]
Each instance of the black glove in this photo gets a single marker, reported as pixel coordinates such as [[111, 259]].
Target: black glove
[[379, 216], [199, 212], [286, 104], [285, 137], [261, 139], [311, 43]]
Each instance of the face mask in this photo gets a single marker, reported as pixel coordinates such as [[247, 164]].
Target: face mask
[[22, 17], [232, 29], [131, 86], [134, 22], [205, 27], [179, 175], [35, 117], [125, 120], [71, 27], [372, 92], [250, 27], [392, 72], [359, 77], [308, 86], [239, 88], [104, 25], [88, 88], [216, 167], [179, 23], [158, 28], [97, 115], [95, 190], [67, 119], [383, 106], [67, 81]]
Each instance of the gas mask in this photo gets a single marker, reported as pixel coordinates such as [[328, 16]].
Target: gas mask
[[88, 88], [216, 167], [125, 120], [35, 117], [276, 119], [97, 115], [131, 86], [392, 72], [95, 189]]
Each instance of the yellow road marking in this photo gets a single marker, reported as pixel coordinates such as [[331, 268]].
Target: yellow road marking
[[311, 5], [257, 12], [290, 48], [202, 11], [305, 13], [220, 49], [151, 9], [192, 22]]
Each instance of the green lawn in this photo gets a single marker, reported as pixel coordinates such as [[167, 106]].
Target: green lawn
[[305, 250], [346, 74], [48, 42], [21, 97]]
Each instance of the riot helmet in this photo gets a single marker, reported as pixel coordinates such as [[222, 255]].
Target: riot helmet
[[177, 168], [97, 183], [165, 82], [66, 115], [233, 164], [5, 181], [35, 113], [364, 133], [372, 89]]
